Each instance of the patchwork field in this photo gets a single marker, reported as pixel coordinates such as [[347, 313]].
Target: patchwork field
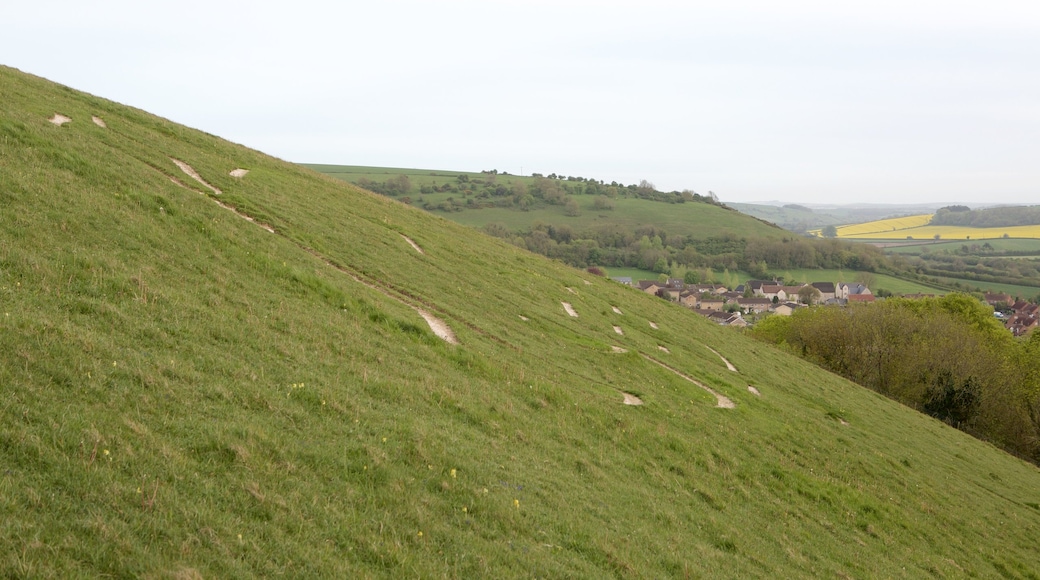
[[917, 228]]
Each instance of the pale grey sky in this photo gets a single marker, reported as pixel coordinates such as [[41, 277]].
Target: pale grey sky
[[889, 102]]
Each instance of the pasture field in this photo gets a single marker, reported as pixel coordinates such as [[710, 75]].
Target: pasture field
[[1026, 246], [228, 375]]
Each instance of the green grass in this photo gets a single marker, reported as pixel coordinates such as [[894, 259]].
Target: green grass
[[701, 220], [1009, 245], [186, 394]]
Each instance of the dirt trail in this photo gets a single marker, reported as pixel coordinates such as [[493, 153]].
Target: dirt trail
[[723, 401], [190, 172], [728, 365], [413, 244], [570, 309], [59, 119]]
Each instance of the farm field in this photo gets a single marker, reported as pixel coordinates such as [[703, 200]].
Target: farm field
[[950, 232], [1030, 246], [885, 226]]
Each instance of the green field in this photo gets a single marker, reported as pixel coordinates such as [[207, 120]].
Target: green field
[[187, 394], [701, 220], [999, 245]]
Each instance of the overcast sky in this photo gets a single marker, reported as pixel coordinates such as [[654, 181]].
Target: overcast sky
[[890, 102]]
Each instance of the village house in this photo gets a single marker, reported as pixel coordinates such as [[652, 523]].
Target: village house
[[826, 289], [650, 286], [755, 305], [711, 302], [786, 308], [689, 298], [772, 291], [998, 300]]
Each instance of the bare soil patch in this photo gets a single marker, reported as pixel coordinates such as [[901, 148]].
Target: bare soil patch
[[438, 326], [618, 330], [98, 121], [754, 391], [653, 325], [239, 173], [524, 318], [617, 310], [570, 309], [59, 119], [663, 349], [618, 350]]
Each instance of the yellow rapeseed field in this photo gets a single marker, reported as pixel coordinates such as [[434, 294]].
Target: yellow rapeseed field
[[946, 233], [916, 227], [881, 226]]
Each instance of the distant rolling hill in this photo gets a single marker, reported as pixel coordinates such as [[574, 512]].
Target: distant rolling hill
[[218, 364], [697, 217]]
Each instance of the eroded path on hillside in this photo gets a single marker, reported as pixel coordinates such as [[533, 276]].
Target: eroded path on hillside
[[728, 365]]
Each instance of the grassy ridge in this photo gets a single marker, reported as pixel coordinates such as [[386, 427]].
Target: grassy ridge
[[186, 393], [701, 220]]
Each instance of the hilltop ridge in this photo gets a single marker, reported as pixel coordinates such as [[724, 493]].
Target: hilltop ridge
[[217, 363]]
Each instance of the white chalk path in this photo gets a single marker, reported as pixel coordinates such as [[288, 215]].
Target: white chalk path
[[98, 121], [723, 401], [753, 391], [617, 310], [59, 119], [238, 173], [618, 330], [190, 172], [653, 325], [570, 309], [413, 244], [728, 365], [438, 326]]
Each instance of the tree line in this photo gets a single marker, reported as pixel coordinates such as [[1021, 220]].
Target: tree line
[[947, 357], [959, 215]]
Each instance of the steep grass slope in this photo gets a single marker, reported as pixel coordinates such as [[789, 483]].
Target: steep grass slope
[[186, 394]]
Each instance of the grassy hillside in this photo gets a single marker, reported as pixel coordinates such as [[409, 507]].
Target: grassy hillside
[[701, 220], [189, 394]]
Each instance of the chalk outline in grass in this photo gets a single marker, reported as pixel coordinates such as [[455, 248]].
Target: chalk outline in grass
[[724, 402]]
